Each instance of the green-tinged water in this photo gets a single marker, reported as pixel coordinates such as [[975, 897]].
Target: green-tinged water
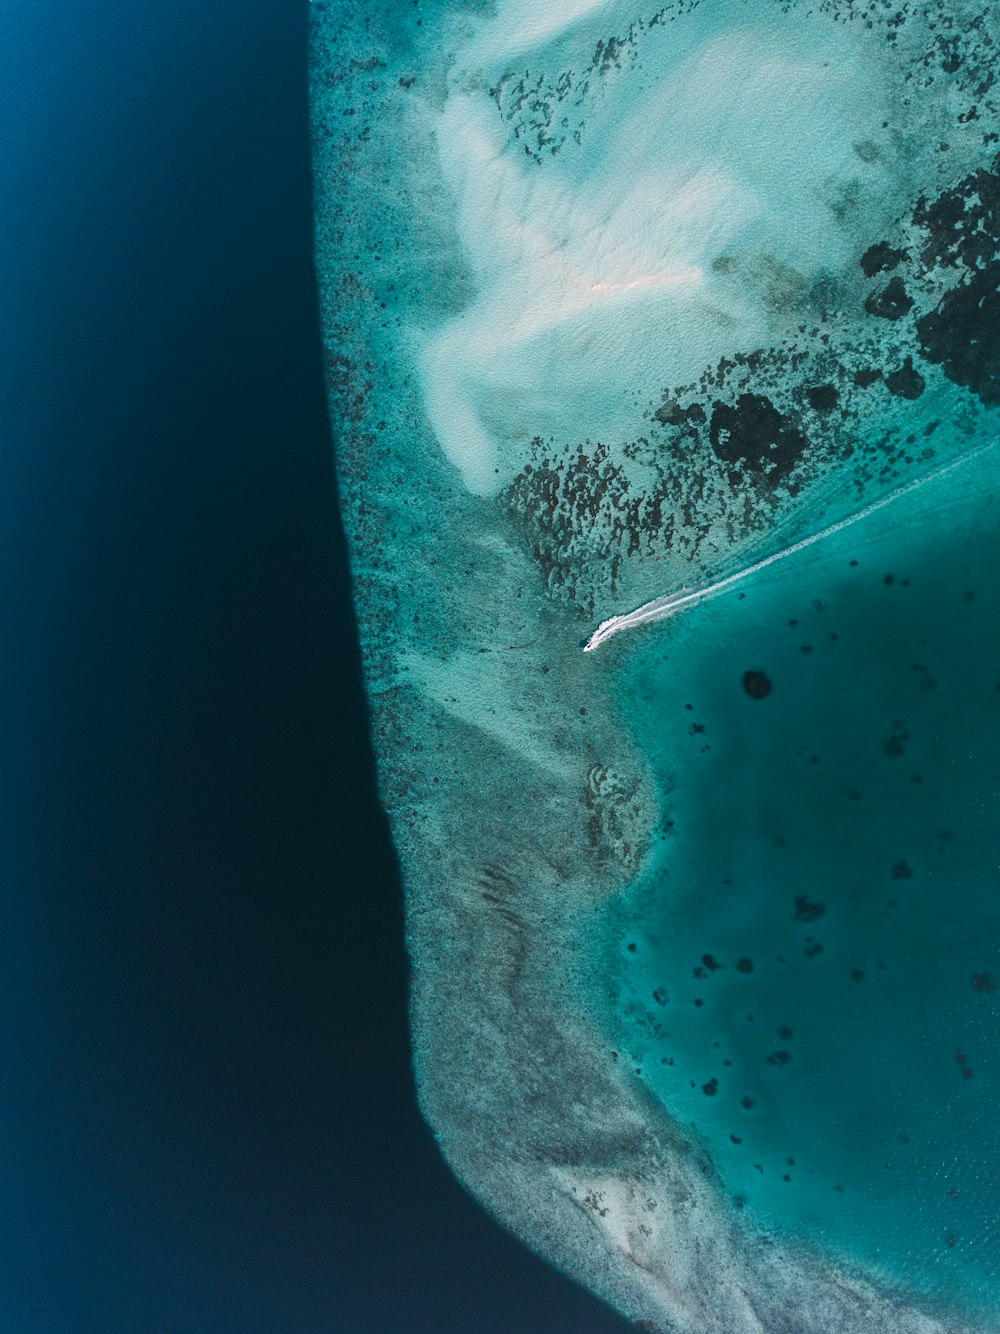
[[809, 973], [621, 303]]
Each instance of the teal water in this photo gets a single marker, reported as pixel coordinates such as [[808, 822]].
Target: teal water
[[809, 975], [620, 303]]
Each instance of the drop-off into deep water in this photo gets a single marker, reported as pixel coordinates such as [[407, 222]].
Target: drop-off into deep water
[[704, 922]]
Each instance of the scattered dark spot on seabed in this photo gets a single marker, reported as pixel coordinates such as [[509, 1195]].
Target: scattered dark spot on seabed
[[756, 684], [806, 911]]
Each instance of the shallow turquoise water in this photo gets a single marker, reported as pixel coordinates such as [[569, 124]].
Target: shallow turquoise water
[[809, 973], [619, 303]]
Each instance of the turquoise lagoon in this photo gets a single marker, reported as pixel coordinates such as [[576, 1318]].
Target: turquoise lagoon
[[619, 303], [807, 974]]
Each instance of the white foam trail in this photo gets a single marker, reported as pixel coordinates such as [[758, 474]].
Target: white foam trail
[[670, 603]]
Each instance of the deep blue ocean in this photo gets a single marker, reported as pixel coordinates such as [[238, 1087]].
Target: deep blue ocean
[[207, 1121]]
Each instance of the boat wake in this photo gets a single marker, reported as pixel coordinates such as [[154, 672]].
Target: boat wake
[[668, 604]]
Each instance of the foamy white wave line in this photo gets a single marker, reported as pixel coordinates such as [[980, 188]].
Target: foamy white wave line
[[668, 604]]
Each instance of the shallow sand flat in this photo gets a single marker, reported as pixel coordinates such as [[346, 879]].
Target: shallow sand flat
[[572, 254], [733, 140]]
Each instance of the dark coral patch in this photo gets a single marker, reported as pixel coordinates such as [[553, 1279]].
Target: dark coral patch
[[892, 302], [905, 382], [822, 397], [959, 335], [880, 258], [756, 434], [963, 223]]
